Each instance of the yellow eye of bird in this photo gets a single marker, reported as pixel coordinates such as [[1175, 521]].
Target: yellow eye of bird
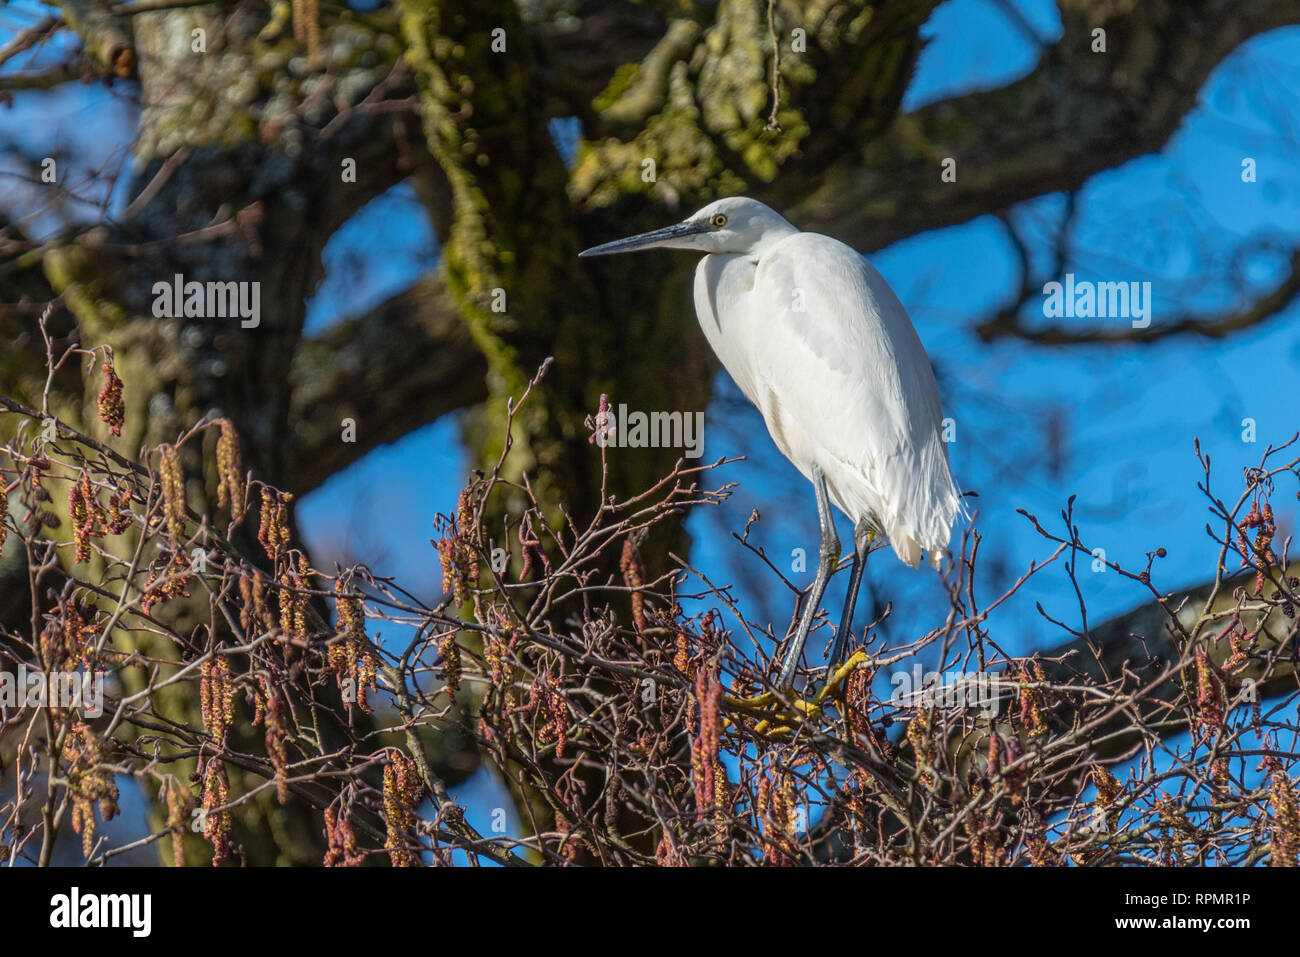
[[718, 220]]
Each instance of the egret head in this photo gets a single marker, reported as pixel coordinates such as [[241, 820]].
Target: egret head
[[732, 225]]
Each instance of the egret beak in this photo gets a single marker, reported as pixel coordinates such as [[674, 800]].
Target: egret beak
[[651, 240]]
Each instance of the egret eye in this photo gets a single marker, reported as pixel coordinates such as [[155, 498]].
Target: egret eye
[[718, 220]]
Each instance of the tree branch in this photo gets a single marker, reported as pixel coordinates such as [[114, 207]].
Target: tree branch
[[1007, 322], [393, 369], [1078, 113]]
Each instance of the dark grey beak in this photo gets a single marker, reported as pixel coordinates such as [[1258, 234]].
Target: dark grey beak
[[659, 237]]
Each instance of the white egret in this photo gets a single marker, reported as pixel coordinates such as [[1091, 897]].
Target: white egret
[[815, 338]]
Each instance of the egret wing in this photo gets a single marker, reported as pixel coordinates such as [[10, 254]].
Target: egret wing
[[843, 381]]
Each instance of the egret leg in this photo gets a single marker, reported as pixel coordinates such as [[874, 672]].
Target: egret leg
[[863, 535], [828, 556]]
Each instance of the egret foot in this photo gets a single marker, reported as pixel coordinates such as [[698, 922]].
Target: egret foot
[[777, 719]]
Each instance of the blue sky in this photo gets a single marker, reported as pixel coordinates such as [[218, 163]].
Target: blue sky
[[1128, 414]]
